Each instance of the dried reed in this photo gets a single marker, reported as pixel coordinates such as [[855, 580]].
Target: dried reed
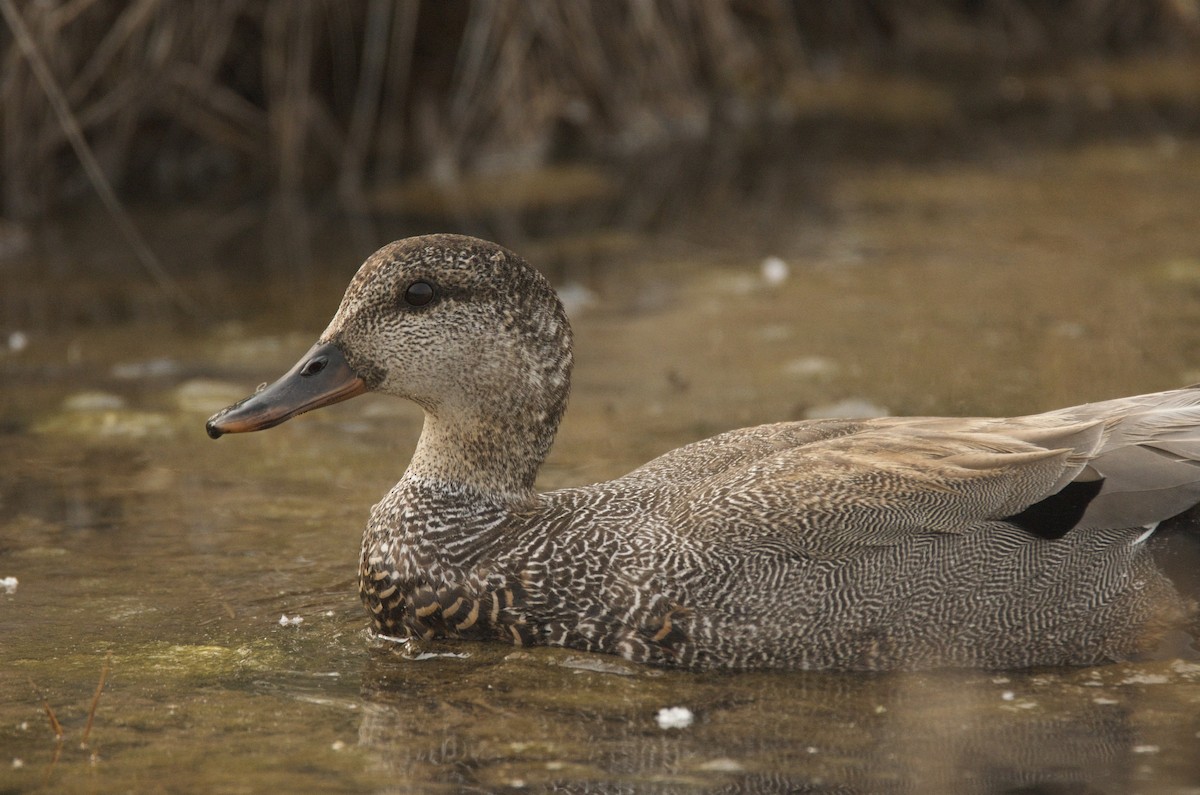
[[87, 730], [55, 726], [177, 97]]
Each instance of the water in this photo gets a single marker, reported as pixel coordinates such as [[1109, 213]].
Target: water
[[1020, 282]]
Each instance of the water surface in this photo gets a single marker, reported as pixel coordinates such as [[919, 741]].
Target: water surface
[[1010, 284]]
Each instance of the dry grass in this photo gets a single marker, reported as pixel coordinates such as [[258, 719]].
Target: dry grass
[[177, 97]]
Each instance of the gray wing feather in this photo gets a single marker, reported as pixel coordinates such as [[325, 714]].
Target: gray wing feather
[[876, 482]]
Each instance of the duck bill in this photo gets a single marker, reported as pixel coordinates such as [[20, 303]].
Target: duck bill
[[322, 377]]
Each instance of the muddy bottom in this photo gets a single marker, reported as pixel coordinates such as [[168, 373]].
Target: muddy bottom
[[215, 581]]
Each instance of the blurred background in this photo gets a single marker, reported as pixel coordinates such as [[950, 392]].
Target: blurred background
[[754, 210], [254, 134]]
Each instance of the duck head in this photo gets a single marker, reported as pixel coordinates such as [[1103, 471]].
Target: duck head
[[462, 327]]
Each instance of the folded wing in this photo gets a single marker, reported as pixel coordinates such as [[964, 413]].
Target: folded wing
[[1127, 463]]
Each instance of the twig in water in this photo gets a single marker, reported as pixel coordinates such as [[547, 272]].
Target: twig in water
[[58, 745], [54, 724], [96, 700]]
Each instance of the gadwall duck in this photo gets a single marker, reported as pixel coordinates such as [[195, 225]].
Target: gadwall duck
[[831, 544]]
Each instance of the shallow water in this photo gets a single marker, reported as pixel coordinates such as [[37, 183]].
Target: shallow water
[[1008, 284]]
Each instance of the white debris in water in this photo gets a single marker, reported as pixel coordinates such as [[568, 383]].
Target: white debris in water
[[722, 764], [393, 639], [1104, 701], [1146, 679], [18, 341], [1008, 695], [575, 297], [409, 650], [1145, 749], [436, 655], [338, 745], [851, 408], [294, 621], [9, 584], [18, 763], [674, 718], [774, 271]]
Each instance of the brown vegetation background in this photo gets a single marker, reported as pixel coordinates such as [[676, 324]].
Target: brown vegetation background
[[338, 99]]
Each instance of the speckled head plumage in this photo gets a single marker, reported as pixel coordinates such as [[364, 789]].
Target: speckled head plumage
[[490, 314], [486, 352], [483, 345]]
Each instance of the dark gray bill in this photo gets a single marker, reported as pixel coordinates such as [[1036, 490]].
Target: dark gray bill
[[321, 378]]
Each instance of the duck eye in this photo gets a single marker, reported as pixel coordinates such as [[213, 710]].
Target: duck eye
[[418, 294]]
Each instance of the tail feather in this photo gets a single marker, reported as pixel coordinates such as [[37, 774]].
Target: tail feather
[[1149, 459]]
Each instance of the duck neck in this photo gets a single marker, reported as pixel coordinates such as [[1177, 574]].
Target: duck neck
[[496, 455]]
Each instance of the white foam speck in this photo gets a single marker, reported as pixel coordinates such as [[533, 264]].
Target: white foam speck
[[674, 718], [723, 764], [575, 297], [774, 271]]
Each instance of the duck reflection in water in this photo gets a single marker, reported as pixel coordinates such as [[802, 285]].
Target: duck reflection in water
[[547, 719]]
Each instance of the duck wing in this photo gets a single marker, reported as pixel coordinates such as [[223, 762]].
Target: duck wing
[[1149, 458], [1126, 463]]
